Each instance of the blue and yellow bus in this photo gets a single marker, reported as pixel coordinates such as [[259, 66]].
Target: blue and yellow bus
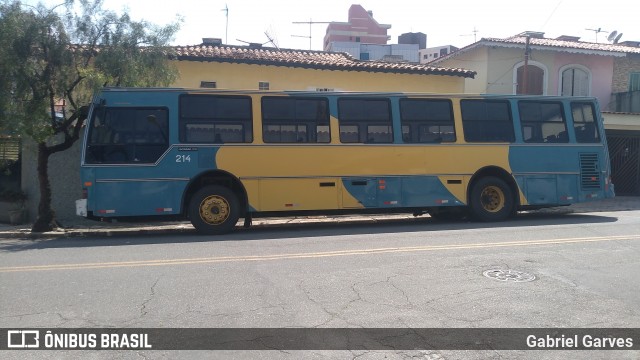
[[216, 156]]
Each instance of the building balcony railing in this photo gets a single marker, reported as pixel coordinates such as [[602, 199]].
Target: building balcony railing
[[626, 102]]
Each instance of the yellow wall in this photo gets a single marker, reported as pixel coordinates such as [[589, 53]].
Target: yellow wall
[[247, 76]]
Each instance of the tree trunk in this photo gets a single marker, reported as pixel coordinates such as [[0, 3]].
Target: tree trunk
[[46, 216]]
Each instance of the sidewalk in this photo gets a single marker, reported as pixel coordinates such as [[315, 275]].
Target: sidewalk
[[86, 228]]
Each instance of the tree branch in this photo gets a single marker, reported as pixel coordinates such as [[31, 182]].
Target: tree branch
[[79, 116]]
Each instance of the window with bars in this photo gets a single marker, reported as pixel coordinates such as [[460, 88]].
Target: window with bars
[[263, 85]]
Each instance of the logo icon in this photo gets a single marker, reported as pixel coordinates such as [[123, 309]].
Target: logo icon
[[23, 339]]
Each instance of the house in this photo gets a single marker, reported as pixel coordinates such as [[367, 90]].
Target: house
[[214, 65], [566, 66]]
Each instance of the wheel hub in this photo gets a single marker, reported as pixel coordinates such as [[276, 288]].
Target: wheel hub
[[492, 198], [214, 210]]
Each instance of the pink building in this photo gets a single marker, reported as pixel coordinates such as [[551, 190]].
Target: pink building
[[361, 28]]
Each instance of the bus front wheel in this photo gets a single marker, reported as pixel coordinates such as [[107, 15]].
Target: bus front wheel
[[491, 199], [214, 210]]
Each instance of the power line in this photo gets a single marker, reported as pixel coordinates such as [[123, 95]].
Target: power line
[[551, 15]]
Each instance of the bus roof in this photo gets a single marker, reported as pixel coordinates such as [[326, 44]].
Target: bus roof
[[340, 93]]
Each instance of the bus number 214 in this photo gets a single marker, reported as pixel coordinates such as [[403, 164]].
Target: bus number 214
[[183, 158]]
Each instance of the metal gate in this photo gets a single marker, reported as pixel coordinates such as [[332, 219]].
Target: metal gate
[[624, 152]]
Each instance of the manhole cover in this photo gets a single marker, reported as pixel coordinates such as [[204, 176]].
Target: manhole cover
[[509, 275]]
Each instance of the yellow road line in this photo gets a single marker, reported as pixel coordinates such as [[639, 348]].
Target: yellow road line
[[204, 260]]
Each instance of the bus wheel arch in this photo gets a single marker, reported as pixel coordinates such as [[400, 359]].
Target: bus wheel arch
[[219, 189], [492, 194]]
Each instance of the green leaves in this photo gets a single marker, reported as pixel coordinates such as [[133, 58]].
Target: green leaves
[[54, 57], [51, 56]]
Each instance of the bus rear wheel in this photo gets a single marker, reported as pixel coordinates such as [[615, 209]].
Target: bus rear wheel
[[491, 199], [214, 210]]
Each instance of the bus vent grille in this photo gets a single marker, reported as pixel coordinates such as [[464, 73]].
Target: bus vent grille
[[589, 173]]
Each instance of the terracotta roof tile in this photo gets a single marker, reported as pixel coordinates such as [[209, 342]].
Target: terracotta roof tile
[[519, 41], [568, 45], [306, 59]]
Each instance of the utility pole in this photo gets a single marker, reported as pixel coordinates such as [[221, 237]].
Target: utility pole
[[525, 72], [310, 22]]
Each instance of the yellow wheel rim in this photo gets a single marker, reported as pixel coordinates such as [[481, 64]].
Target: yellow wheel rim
[[492, 199], [214, 210]]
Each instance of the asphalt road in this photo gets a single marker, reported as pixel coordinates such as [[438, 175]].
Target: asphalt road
[[424, 274]]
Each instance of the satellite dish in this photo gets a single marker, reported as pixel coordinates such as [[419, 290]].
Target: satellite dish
[[615, 41], [612, 35]]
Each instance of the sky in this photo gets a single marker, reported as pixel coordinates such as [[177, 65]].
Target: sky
[[448, 22]]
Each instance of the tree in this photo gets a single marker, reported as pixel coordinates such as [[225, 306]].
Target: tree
[[54, 55]]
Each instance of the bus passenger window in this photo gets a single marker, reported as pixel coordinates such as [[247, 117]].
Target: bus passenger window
[[295, 120], [349, 134], [542, 122], [584, 122], [427, 121], [379, 134], [365, 120], [323, 134], [215, 119], [487, 120]]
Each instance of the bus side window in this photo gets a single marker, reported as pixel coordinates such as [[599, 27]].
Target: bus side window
[[215, 119], [365, 120], [542, 121], [349, 134], [427, 121], [584, 122], [295, 120], [487, 120], [128, 135]]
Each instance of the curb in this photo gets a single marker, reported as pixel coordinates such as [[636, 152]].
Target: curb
[[186, 227], [120, 229]]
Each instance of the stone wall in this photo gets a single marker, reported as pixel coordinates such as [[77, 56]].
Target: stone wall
[[622, 67], [64, 175]]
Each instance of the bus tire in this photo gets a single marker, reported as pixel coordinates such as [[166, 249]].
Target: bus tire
[[491, 199], [214, 210]]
